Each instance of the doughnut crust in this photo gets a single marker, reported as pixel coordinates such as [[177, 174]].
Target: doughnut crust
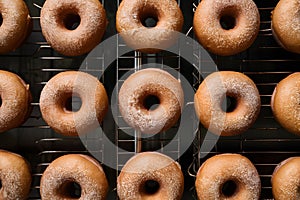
[[286, 180], [129, 23], [16, 98], [74, 168], [286, 26], [219, 169], [243, 19], [15, 176], [16, 24], [62, 88], [213, 91], [150, 166], [151, 82], [55, 16], [285, 103]]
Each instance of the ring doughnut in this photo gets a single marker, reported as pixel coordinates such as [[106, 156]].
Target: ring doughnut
[[74, 176], [226, 27], [229, 87], [130, 23], [15, 176], [16, 98], [285, 179], [227, 176], [73, 27], [144, 86], [285, 103], [15, 24], [285, 25], [61, 91], [150, 175]]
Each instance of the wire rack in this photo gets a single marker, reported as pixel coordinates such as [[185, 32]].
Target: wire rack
[[265, 144]]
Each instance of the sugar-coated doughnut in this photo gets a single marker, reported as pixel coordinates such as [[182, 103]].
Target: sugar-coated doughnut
[[131, 15], [58, 94], [59, 19], [226, 27], [59, 179], [16, 98], [139, 88], [285, 103], [228, 176], [285, 24], [286, 180], [150, 175], [244, 98], [15, 176], [15, 24]]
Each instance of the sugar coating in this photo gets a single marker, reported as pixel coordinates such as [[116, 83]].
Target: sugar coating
[[64, 85], [85, 37], [285, 24], [212, 92], [226, 42], [286, 101], [76, 168], [285, 179], [221, 168], [150, 166], [151, 82]]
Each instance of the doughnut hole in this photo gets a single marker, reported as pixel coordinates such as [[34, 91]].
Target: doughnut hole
[[70, 189], [151, 102], [229, 104], [72, 103], [1, 19], [229, 188], [71, 21], [228, 18], [150, 187], [149, 17]]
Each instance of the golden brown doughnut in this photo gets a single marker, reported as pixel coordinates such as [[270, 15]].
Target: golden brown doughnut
[[150, 175], [15, 24], [16, 98], [285, 25], [63, 173], [57, 95], [143, 85], [15, 176], [285, 103], [129, 23], [228, 176], [58, 19], [286, 180], [213, 91], [226, 27]]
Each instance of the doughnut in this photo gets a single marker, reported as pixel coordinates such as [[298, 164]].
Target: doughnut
[[15, 176], [15, 101], [131, 23], [73, 27], [227, 176], [285, 25], [286, 180], [56, 103], [226, 27], [74, 176], [150, 175], [233, 88], [285, 103], [15, 24], [151, 100]]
